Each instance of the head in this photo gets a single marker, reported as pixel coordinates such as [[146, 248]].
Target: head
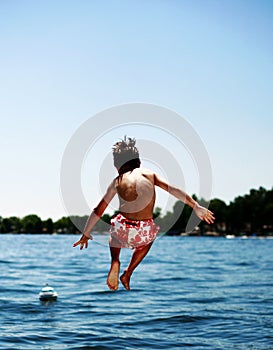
[[126, 155]]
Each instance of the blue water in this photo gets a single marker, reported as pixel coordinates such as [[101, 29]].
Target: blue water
[[201, 293]]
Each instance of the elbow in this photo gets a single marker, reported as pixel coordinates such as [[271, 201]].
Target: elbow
[[100, 208]]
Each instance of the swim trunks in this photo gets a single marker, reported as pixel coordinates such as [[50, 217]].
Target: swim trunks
[[133, 233]]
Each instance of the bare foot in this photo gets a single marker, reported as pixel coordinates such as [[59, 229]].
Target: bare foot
[[112, 279], [125, 280]]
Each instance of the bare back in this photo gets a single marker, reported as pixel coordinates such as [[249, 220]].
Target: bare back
[[136, 194]]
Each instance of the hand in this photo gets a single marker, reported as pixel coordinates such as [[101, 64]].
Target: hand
[[83, 241], [204, 214]]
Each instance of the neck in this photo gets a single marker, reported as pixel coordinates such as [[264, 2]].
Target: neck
[[124, 169]]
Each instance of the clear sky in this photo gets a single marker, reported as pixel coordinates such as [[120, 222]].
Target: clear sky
[[63, 61]]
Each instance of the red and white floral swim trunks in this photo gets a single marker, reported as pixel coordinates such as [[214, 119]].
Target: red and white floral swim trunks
[[133, 233]]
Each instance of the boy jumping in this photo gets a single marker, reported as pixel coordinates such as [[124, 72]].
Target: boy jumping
[[133, 227]]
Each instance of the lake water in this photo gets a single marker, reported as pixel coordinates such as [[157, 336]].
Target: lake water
[[189, 293]]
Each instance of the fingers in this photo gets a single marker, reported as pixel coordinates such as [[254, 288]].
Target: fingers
[[76, 243], [205, 214], [208, 217], [83, 242], [209, 220]]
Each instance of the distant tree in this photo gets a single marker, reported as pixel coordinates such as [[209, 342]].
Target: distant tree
[[5, 226], [268, 217], [11, 224], [65, 225], [166, 222], [219, 208], [77, 223], [157, 212], [261, 202], [16, 224], [31, 224], [267, 214], [103, 224], [182, 212], [251, 213], [47, 226], [236, 217]]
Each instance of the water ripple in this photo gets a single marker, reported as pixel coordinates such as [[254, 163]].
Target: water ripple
[[188, 292]]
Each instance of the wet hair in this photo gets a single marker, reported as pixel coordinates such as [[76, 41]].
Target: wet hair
[[126, 155]]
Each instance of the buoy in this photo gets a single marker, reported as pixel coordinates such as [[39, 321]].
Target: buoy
[[48, 293]]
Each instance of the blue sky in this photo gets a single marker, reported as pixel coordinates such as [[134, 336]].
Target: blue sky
[[63, 61]]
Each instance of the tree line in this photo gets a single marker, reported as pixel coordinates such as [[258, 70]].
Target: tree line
[[249, 214]]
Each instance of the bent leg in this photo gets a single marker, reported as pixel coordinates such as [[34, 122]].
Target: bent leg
[[113, 275], [137, 257]]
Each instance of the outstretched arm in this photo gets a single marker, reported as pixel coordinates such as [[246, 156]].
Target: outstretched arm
[[201, 212], [95, 216]]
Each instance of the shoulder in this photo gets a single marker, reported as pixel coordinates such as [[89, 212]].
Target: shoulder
[[112, 187], [148, 173]]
